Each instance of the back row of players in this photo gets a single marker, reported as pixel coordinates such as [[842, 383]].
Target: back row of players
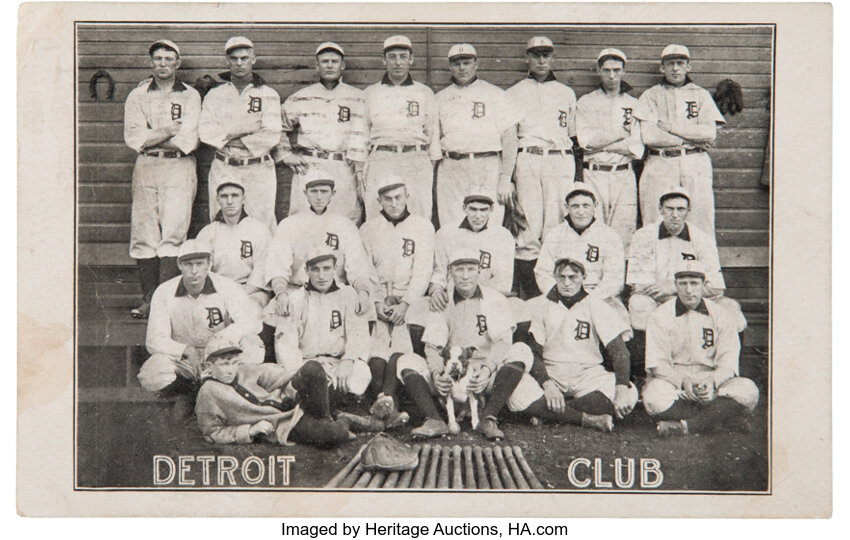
[[366, 311]]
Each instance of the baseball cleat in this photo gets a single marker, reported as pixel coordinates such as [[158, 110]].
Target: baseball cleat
[[396, 419], [599, 422], [361, 423], [672, 428], [433, 427], [490, 429], [142, 311], [383, 407]]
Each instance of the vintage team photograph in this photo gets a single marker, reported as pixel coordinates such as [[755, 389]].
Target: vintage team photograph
[[423, 257]]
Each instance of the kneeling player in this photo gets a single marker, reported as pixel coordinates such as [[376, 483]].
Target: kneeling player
[[567, 326], [692, 360], [239, 402]]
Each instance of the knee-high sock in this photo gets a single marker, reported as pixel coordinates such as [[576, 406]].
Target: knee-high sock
[[416, 333], [525, 284], [713, 414], [592, 403], [267, 337], [312, 386], [420, 393], [540, 410], [637, 351], [390, 382], [148, 276], [506, 380], [168, 268], [322, 432], [377, 367]]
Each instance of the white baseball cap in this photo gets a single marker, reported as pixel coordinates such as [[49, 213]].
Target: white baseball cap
[[464, 255], [319, 253], [390, 182], [462, 50], [398, 41], [218, 345], [480, 195], [232, 182], [329, 46], [317, 176], [164, 43], [581, 188], [539, 42], [674, 191], [611, 53], [675, 51], [571, 261], [193, 249], [689, 268], [237, 42]]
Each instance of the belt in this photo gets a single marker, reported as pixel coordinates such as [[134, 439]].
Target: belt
[[170, 154], [596, 167], [471, 155], [537, 151], [321, 154], [241, 162], [676, 152], [334, 356], [400, 148]]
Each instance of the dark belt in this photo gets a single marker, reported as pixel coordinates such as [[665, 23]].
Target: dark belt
[[321, 154], [471, 155], [676, 152], [537, 151], [170, 154], [241, 162], [596, 167], [399, 148]]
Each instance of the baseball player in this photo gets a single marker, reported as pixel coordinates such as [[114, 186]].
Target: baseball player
[[478, 138], [285, 268], [186, 311], [582, 237], [678, 124], [567, 328], [404, 131], [545, 166], [238, 403], [327, 121], [692, 352], [241, 120], [610, 136], [161, 124], [655, 252], [479, 318], [401, 247]]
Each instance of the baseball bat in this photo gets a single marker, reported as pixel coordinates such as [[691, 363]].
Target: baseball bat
[[483, 483], [491, 467], [431, 479], [468, 468], [352, 477], [419, 477], [445, 459], [377, 480], [520, 481], [334, 482], [406, 476], [392, 480], [503, 468], [364, 479], [457, 477], [535, 483]]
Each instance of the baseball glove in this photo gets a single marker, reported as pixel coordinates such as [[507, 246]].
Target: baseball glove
[[729, 98], [515, 219], [383, 453]]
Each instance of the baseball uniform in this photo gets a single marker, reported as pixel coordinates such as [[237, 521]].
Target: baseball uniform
[[238, 251], [473, 119], [329, 127], [404, 137], [177, 320], [699, 342], [164, 180], [673, 160], [251, 163], [545, 167], [608, 167]]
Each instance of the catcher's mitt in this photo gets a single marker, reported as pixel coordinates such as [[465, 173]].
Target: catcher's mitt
[[515, 219], [384, 453], [729, 98], [204, 84]]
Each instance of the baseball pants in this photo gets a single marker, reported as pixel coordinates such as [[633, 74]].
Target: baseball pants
[[542, 183], [260, 181], [159, 370], [412, 167], [617, 192], [692, 172], [577, 380], [361, 376], [163, 191], [525, 393], [344, 200], [456, 178], [659, 394], [640, 307]]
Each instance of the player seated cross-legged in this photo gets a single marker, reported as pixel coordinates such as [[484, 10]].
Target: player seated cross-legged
[[567, 327], [479, 319], [323, 325], [692, 362]]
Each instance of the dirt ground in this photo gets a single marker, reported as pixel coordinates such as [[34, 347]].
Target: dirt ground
[[117, 442]]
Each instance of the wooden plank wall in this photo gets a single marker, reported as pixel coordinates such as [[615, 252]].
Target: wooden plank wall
[[285, 60]]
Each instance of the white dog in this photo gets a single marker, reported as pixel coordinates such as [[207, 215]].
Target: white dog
[[460, 368]]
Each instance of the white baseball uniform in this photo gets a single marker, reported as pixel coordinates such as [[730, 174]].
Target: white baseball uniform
[[224, 106], [681, 163], [697, 343], [330, 132], [545, 166], [472, 120], [164, 181], [404, 136], [238, 251], [608, 167]]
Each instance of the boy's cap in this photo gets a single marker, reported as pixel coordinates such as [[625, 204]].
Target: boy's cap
[[218, 345]]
